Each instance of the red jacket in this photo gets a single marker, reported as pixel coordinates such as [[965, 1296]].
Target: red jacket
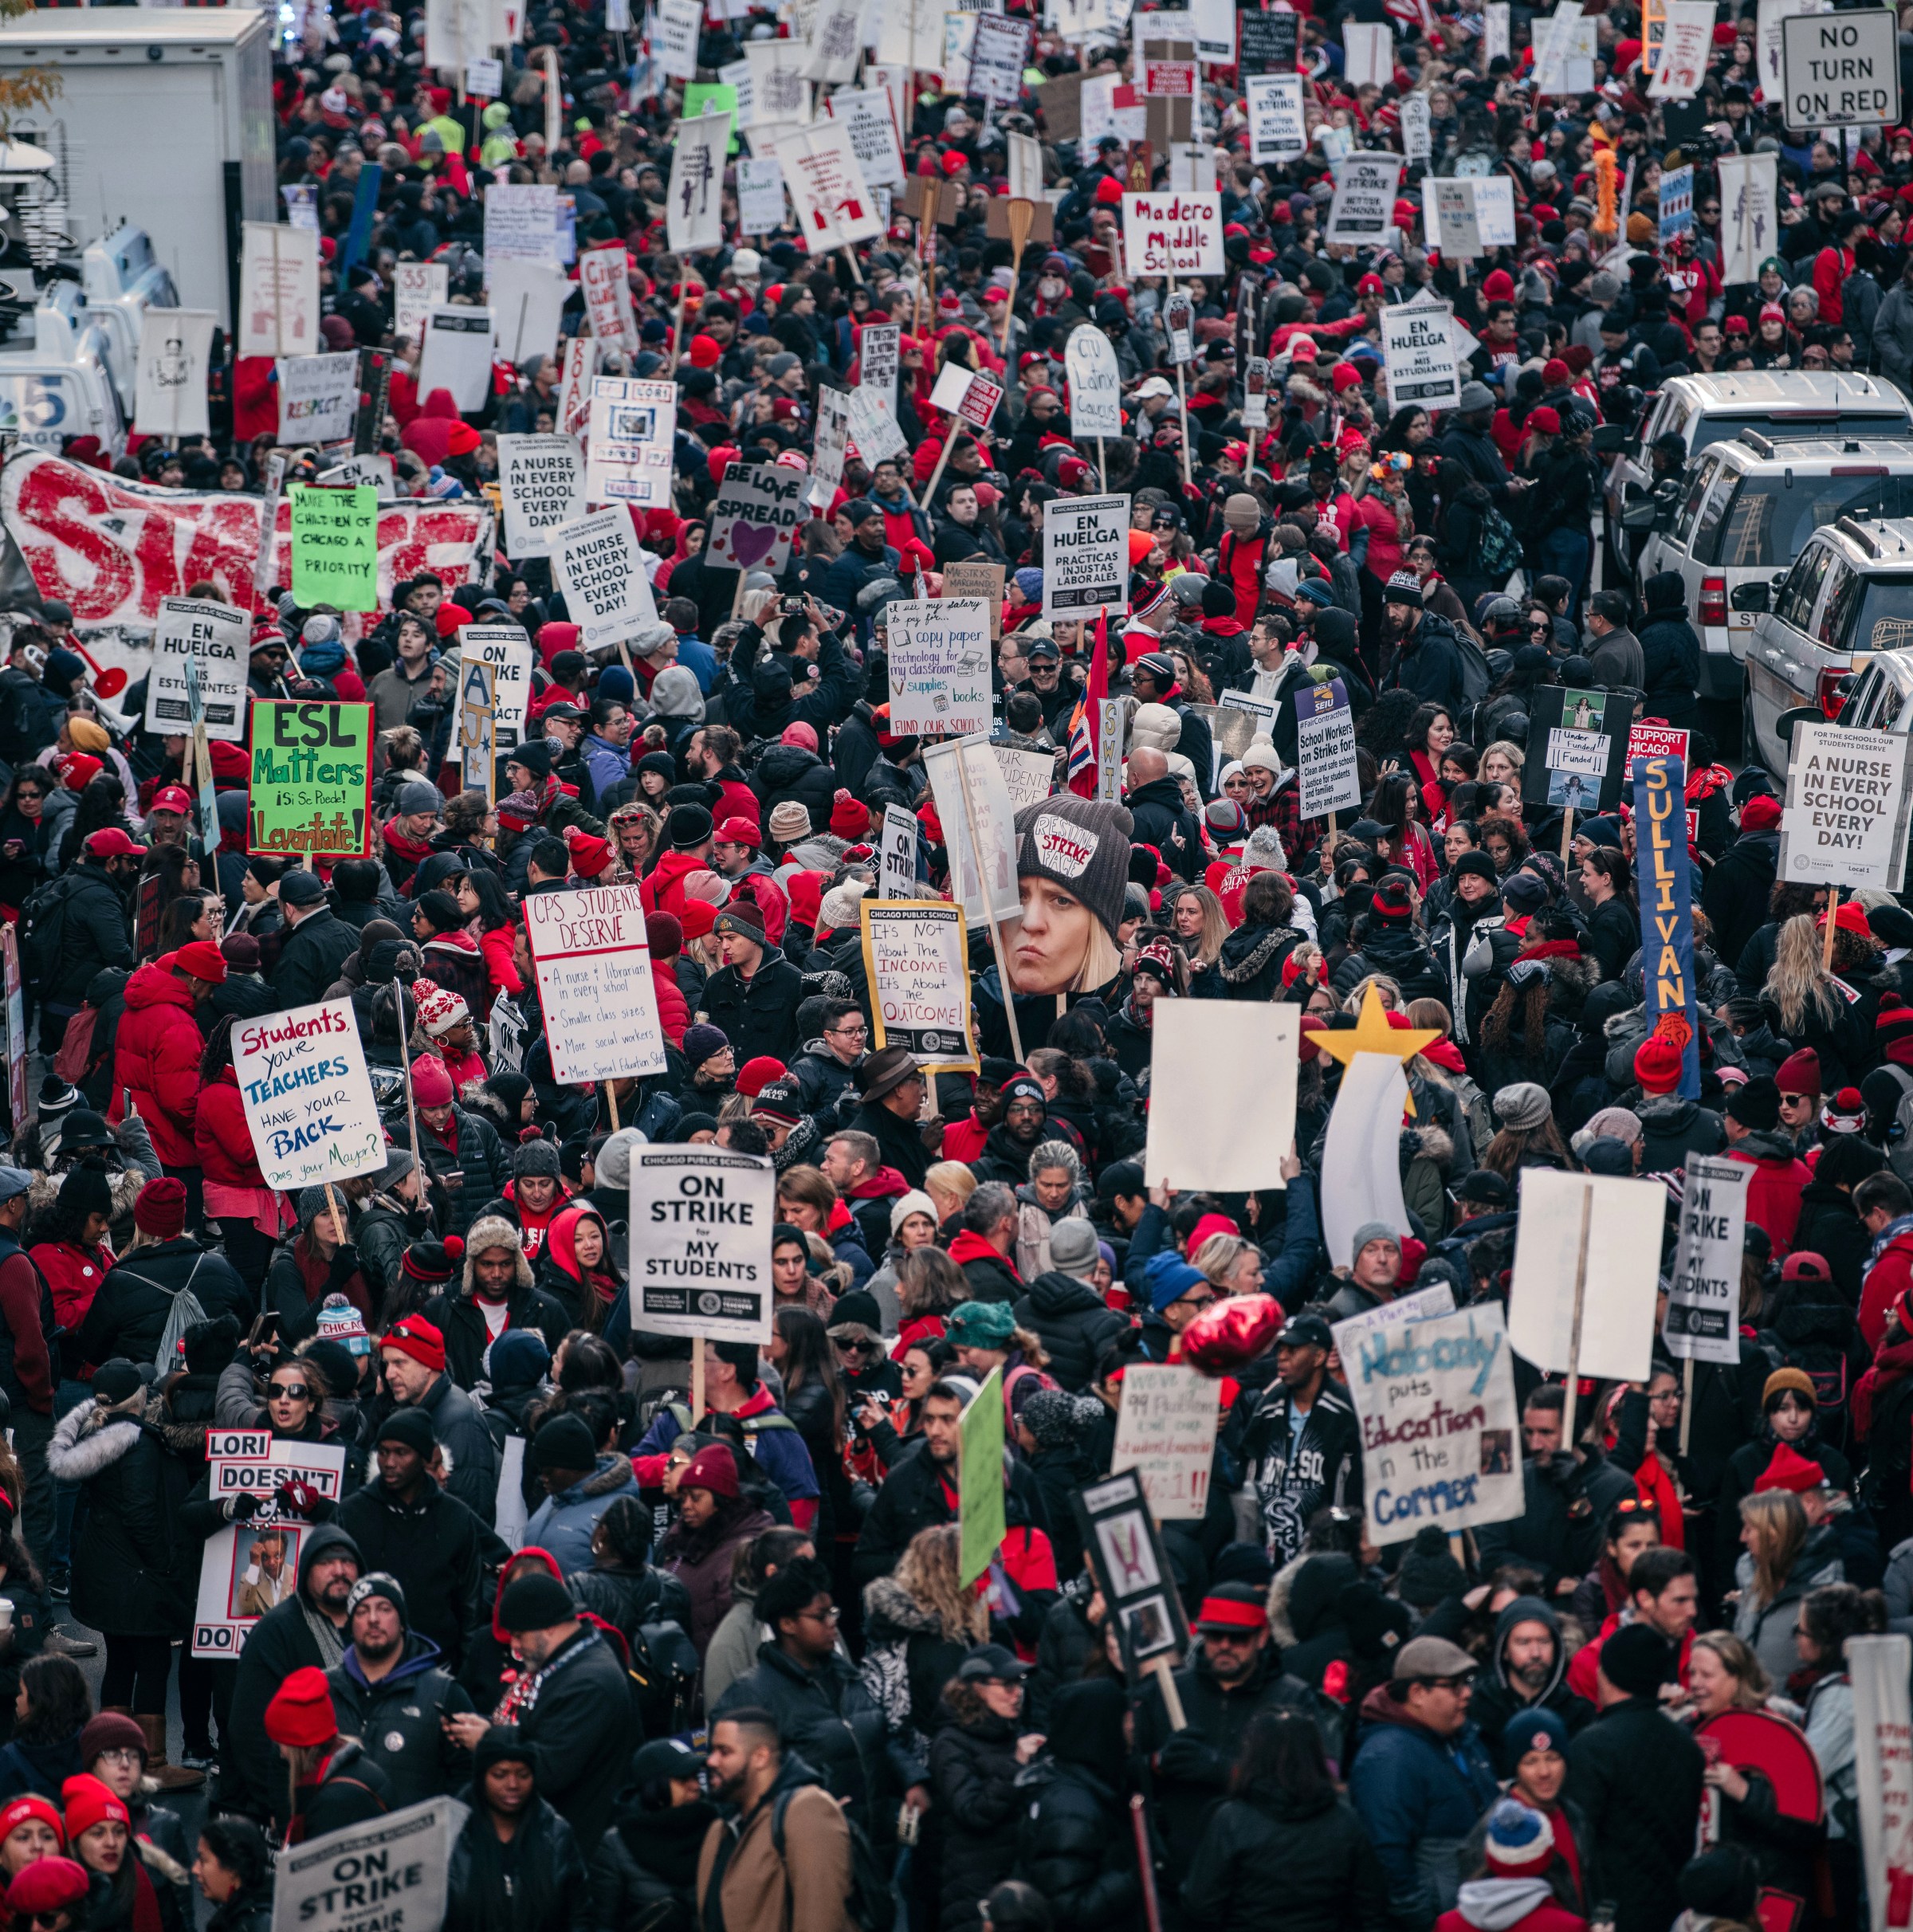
[[1582, 1670], [222, 1142], [1774, 1196], [426, 434], [74, 1274], [674, 1009], [157, 1054], [1886, 1282], [663, 892], [1546, 1917]]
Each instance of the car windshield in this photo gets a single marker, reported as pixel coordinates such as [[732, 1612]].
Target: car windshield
[[1771, 519], [1712, 430], [1885, 616]]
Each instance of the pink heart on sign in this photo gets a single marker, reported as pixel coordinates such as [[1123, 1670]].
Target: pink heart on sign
[[752, 542]]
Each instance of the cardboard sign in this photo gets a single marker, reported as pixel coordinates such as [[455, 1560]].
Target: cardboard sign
[[1120, 1537], [939, 651], [760, 202], [1095, 382], [1883, 1750], [1617, 1225], [336, 546], [974, 806], [759, 510], [978, 580], [541, 481], [311, 783], [873, 429], [878, 344], [1165, 1430], [1439, 1426], [593, 968], [1845, 818], [308, 1098], [418, 288], [634, 431], [916, 953], [897, 877], [521, 222], [605, 276], [1364, 208], [1175, 232], [1841, 70], [1703, 1320], [1325, 750], [217, 638], [833, 202], [1222, 1094], [700, 1241], [325, 1886], [457, 355], [279, 291], [597, 562], [1085, 556], [507, 651], [694, 204], [1029, 777], [1466, 215], [1277, 132]]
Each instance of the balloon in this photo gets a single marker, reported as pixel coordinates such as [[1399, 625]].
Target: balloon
[[1235, 1330]]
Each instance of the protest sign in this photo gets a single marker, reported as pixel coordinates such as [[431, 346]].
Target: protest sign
[[376, 470], [574, 390], [939, 649], [832, 201], [1363, 210], [1368, 53], [1676, 202], [1277, 130], [1085, 555], [674, 31], [247, 1569], [780, 95], [1652, 740], [1576, 739], [1840, 69], [831, 445], [1266, 42], [1703, 1320], [1222, 1094], [604, 275], [597, 562], [457, 355], [1169, 81], [836, 40], [1417, 135], [521, 222], [484, 80], [418, 288], [1497, 29], [633, 432], [978, 580], [1028, 776], [1360, 1172], [1120, 1537], [973, 805], [872, 121], [878, 347], [279, 290], [541, 481], [528, 300], [217, 638], [1883, 1750], [760, 202], [693, 207], [1419, 1306], [1095, 382], [593, 968], [1749, 216], [897, 878], [756, 518], [980, 1480], [336, 546], [476, 735], [1165, 1430], [311, 782], [1845, 819], [1665, 893], [700, 1240], [873, 429], [1109, 728], [175, 357], [508, 650], [997, 53], [401, 1860], [1563, 1276], [915, 952], [1177, 233], [1436, 1401], [308, 1098], [1325, 750]]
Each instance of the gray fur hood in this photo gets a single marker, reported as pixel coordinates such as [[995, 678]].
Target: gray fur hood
[[491, 1230]]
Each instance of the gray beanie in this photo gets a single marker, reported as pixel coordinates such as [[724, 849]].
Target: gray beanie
[[613, 1166], [536, 1158], [1523, 1106], [418, 795], [1373, 1230], [1474, 396], [1073, 1246], [1083, 845]]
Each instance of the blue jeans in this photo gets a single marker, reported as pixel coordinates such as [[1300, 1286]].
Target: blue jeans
[[1567, 553]]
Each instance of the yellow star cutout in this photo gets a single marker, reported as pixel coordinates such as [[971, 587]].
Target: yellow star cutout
[[1373, 1034]]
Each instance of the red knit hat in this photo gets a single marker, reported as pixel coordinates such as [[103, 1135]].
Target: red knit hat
[[1209, 1226], [1790, 1469], [417, 1337], [1760, 813], [698, 918], [301, 1714], [160, 1209], [1800, 1072], [1108, 192], [706, 351], [848, 818], [89, 1803], [1893, 1029], [78, 769], [756, 1075], [713, 1468], [203, 959], [32, 1805], [47, 1884], [1851, 917], [1657, 1064], [431, 1082], [591, 855]]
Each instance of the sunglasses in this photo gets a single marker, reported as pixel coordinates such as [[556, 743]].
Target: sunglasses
[[288, 1392]]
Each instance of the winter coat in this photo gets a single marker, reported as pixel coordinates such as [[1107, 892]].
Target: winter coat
[[1672, 1129], [1075, 1845], [461, 1322], [350, 1790], [564, 1522], [398, 1720], [1330, 1878], [1249, 966], [300, 1280], [804, 1888], [584, 1722], [973, 1791], [1828, 1227], [1565, 1504], [1768, 1628], [1734, 897], [788, 771], [645, 1870], [434, 1545], [312, 958], [223, 1142], [1637, 1776], [539, 1884], [1672, 655], [1074, 1324], [129, 1314], [479, 1158], [1893, 336], [758, 1017], [157, 1054], [701, 1561], [94, 932], [1164, 820], [1497, 1703], [135, 1571], [1779, 1178], [1292, 1477]]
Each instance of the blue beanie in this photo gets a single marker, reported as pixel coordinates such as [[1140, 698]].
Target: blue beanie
[[1029, 584], [1168, 1278], [1536, 1728], [324, 657], [615, 681], [518, 1358]]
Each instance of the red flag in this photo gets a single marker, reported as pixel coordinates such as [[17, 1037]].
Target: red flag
[[1085, 725]]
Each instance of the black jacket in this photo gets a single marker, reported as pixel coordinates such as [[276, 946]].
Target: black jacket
[[312, 957], [1735, 896], [397, 1720], [1164, 820], [758, 1017], [466, 1337], [973, 1789], [352, 1791], [460, 1425], [788, 771], [129, 1313], [1328, 1878], [585, 1726], [1672, 653], [1563, 1518], [1293, 1477], [899, 1145], [480, 1160], [1074, 1842], [1074, 1324], [1496, 1702], [94, 932], [538, 1884], [434, 1545], [645, 1870], [1637, 1776]]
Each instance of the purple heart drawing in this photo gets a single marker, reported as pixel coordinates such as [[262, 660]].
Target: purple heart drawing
[[751, 543]]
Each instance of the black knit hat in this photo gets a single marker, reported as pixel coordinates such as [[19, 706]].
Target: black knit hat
[[1390, 902], [1479, 863], [1756, 1104], [86, 1190], [1429, 1573], [535, 1601]]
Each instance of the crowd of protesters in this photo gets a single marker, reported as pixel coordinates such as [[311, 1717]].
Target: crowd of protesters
[[713, 1669]]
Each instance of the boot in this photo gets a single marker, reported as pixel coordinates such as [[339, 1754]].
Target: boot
[[168, 1777]]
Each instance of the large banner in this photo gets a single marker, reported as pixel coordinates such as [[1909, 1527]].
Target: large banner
[[701, 1242], [593, 968], [1667, 909]]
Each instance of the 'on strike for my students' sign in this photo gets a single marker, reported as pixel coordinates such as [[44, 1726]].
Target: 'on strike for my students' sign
[[701, 1242], [308, 1098], [593, 968], [1845, 820]]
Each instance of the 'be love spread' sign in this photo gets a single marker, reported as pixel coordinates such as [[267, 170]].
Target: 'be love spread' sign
[[759, 507], [1178, 233]]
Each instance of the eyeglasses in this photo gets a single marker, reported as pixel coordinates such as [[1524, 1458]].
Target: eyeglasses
[[1199, 1301], [288, 1392], [819, 1616], [124, 1755], [1633, 1505]]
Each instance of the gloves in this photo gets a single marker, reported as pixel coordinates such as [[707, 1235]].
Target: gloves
[[1524, 973], [298, 1496], [240, 1508], [1188, 1760]]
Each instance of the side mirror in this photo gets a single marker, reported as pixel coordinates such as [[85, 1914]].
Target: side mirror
[[1803, 714], [1641, 513], [1610, 438], [1749, 596]]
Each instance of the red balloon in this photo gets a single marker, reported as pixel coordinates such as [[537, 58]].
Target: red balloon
[[1235, 1330]]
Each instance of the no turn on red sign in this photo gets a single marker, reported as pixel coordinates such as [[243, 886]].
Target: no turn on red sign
[[1841, 70]]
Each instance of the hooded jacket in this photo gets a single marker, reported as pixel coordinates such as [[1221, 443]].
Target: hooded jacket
[[1637, 1778], [462, 1321], [434, 1545], [1074, 1324], [973, 1785], [1496, 1700], [1779, 1177], [1075, 1844], [157, 1054], [398, 1719], [564, 1522], [539, 1883], [758, 1016]]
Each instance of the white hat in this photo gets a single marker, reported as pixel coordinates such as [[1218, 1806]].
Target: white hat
[[1154, 386], [747, 262]]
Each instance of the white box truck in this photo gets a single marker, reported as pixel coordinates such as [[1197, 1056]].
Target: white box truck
[[164, 123]]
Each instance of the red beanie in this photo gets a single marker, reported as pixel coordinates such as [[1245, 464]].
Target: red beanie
[[89, 1803], [706, 351], [160, 1210], [416, 1336], [1760, 813], [1790, 1469], [1800, 1072], [47, 1884], [1657, 1064], [301, 1714], [1893, 1030], [591, 856], [431, 1082], [713, 1468], [848, 818], [32, 1805], [696, 918], [756, 1075], [203, 959], [664, 935], [1108, 192], [462, 439]]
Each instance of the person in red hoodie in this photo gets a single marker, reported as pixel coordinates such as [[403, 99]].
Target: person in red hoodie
[[157, 1056], [428, 435], [664, 935], [1752, 1122], [250, 1215], [1885, 1207], [1513, 1894], [691, 840]]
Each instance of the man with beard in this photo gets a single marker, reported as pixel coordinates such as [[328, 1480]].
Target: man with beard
[[307, 1630], [1430, 664], [1016, 1137], [1526, 1672], [390, 1694], [1302, 1448]]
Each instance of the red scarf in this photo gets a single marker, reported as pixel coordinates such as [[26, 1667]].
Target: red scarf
[[416, 850]]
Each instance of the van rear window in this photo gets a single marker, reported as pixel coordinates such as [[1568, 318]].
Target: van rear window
[[1769, 520], [1712, 430]]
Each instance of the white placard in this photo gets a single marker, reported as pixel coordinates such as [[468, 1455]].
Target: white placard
[[1844, 823], [1099, 115], [1165, 1430], [1618, 1223], [1222, 1094], [1368, 54], [831, 447], [375, 469], [307, 1096], [1095, 382], [674, 30], [217, 638], [780, 95], [321, 1886], [897, 877], [279, 290], [964, 771], [541, 480], [484, 79], [528, 300], [247, 1569], [1085, 556], [1750, 221], [1687, 42], [1767, 45], [1026, 167], [835, 41], [508, 650], [1883, 1753], [1497, 31], [597, 563], [1360, 1172], [939, 650], [700, 1241], [872, 122], [916, 957], [833, 202], [1417, 142], [760, 202], [1277, 130], [998, 50], [1029, 777], [593, 968], [755, 520], [879, 346], [1364, 208], [873, 429], [175, 354], [1440, 1440], [457, 356], [1841, 70], [574, 391], [1325, 750], [521, 222], [1177, 232], [418, 288], [1418, 348], [633, 431], [695, 203], [1702, 1320], [605, 276]]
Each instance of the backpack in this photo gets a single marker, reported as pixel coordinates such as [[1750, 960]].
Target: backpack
[[1476, 678], [871, 1905], [185, 1313], [43, 933], [1500, 552]]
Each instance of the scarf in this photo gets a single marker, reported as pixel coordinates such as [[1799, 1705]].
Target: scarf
[[521, 1698], [414, 851], [1887, 1235], [332, 1644]]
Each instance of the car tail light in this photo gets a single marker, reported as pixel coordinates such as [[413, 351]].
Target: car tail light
[[1714, 600], [1833, 690]]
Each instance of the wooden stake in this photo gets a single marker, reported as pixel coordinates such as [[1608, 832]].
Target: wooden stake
[[1161, 1669], [1022, 216], [1826, 945], [1102, 474], [697, 1380], [1687, 1403], [1003, 963], [1581, 1296], [339, 1225], [850, 255], [678, 321], [1567, 834], [949, 443], [611, 1098], [1182, 402]]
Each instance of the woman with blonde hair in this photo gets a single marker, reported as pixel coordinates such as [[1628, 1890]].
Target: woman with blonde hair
[[1200, 925], [1786, 1557], [918, 1621], [1724, 1674], [634, 829], [1801, 999], [949, 1184], [1233, 1263]]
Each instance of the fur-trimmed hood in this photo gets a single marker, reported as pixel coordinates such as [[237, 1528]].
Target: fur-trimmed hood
[[1281, 1630], [90, 1440], [1436, 1144], [891, 1611], [491, 1231]]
